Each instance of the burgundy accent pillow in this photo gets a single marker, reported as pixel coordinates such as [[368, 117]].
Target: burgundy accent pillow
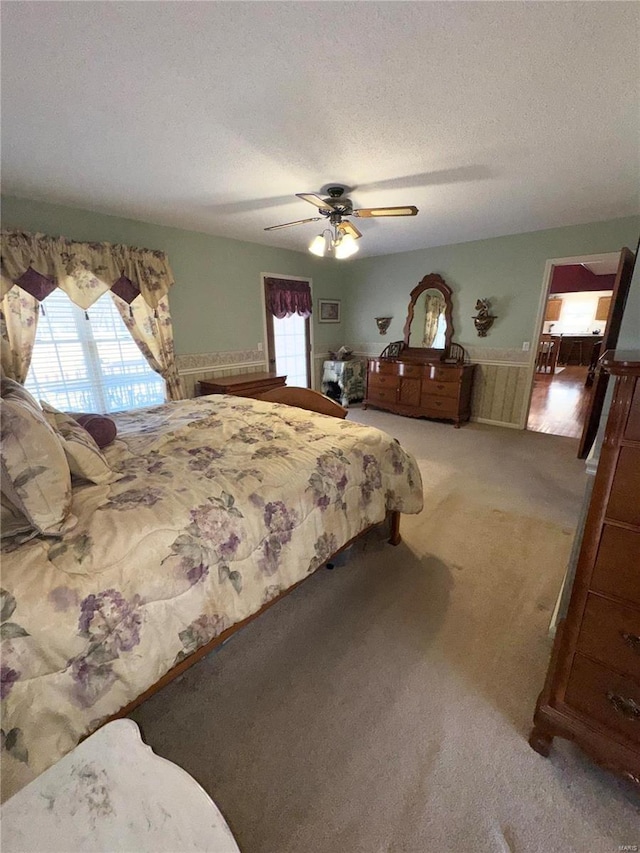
[[101, 428]]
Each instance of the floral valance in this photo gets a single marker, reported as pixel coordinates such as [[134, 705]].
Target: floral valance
[[38, 264], [285, 296]]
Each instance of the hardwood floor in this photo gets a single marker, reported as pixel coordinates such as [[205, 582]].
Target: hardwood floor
[[559, 402]]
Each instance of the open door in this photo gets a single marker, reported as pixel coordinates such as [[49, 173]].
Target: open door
[[609, 341]]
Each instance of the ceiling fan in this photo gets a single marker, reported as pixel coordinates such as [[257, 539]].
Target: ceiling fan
[[336, 208]]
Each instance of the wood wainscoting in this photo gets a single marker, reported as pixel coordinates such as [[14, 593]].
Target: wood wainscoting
[[500, 393]]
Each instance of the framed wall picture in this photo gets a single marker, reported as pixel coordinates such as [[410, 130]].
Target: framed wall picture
[[328, 310]]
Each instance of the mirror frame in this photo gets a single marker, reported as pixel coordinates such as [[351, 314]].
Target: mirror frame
[[433, 281]]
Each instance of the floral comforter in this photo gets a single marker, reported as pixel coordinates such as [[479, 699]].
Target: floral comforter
[[222, 504]]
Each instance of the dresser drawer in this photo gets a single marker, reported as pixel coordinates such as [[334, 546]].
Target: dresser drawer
[[382, 395], [624, 504], [617, 566], [410, 370], [377, 380], [605, 696], [390, 368], [610, 632], [439, 407], [442, 374], [632, 431], [430, 387]]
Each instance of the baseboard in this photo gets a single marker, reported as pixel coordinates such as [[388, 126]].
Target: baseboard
[[495, 423]]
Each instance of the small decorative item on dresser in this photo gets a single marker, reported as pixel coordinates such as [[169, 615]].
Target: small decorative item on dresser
[[483, 320], [383, 324]]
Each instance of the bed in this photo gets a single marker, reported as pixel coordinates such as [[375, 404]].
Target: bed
[[221, 506]]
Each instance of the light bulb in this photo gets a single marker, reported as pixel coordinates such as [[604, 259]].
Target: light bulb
[[318, 246], [345, 247]]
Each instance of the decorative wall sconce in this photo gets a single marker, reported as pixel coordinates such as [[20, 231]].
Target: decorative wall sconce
[[483, 319], [383, 324]]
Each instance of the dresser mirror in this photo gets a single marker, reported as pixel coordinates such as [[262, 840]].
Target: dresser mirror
[[429, 327]]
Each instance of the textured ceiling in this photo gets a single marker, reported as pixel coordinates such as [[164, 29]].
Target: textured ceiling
[[492, 118]]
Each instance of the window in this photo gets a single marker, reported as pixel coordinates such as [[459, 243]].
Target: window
[[88, 362], [290, 339]]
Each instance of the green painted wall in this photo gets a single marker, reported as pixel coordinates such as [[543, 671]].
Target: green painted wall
[[507, 270], [216, 303]]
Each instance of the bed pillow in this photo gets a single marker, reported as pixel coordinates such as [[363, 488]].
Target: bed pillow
[[101, 428], [15, 391], [85, 458], [36, 479], [12, 521]]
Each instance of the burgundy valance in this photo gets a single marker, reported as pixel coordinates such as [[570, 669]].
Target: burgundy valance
[[286, 296]]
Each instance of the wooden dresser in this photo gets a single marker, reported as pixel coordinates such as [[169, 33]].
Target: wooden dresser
[[242, 385], [592, 691], [427, 389]]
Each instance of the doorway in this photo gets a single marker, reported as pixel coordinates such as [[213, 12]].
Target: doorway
[[288, 339], [576, 323]]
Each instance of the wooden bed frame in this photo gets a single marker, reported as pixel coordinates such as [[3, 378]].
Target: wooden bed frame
[[303, 398]]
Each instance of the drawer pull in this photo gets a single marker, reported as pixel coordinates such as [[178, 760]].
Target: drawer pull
[[627, 707], [632, 640]]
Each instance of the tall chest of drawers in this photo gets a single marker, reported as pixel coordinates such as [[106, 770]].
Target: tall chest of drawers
[[420, 389], [592, 691]]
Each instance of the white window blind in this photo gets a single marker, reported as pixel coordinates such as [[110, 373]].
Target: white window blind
[[89, 362]]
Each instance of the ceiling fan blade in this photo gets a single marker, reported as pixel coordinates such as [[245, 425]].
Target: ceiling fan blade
[[349, 228], [316, 200], [289, 224], [367, 212]]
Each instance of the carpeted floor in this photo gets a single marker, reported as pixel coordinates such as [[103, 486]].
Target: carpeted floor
[[385, 705]]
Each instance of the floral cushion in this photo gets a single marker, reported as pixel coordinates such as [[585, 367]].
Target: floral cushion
[[35, 475], [86, 460]]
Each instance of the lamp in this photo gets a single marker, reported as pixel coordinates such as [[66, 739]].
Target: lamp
[[342, 245], [318, 246], [383, 324]]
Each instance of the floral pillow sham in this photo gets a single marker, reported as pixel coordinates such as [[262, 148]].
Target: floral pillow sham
[[86, 460], [35, 474]]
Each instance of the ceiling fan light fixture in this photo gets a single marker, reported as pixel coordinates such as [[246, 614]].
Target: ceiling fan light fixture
[[345, 246], [318, 246]]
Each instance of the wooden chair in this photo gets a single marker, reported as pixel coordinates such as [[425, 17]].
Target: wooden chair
[[547, 355], [303, 398]]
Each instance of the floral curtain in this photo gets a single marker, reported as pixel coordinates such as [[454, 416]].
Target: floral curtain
[[285, 297], [152, 331], [34, 265], [18, 324], [434, 307], [38, 264]]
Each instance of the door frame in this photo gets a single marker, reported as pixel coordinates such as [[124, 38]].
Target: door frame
[[265, 334], [549, 267]]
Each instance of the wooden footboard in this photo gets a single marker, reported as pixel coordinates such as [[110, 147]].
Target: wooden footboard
[[304, 398], [393, 519]]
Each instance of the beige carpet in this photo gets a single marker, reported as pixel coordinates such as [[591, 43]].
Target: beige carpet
[[385, 706]]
